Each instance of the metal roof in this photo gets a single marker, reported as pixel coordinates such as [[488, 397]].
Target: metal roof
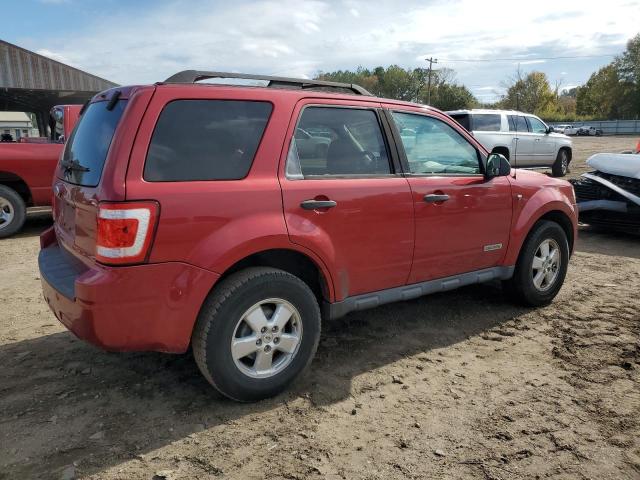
[[34, 83]]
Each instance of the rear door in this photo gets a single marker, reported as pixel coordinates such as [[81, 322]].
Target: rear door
[[462, 220], [348, 202], [93, 164], [522, 143]]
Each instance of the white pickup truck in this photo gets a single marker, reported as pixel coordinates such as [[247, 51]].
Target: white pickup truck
[[523, 138]]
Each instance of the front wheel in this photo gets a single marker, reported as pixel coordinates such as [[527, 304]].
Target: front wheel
[[257, 331], [542, 265], [13, 211], [561, 166]]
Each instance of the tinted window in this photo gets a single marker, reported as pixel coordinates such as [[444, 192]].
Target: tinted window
[[205, 140], [84, 155], [487, 122], [463, 119], [518, 123], [434, 147], [338, 141], [536, 125]]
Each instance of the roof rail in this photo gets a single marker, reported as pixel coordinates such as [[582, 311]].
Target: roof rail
[[193, 76]]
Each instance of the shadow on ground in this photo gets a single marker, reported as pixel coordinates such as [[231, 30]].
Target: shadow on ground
[[66, 401]]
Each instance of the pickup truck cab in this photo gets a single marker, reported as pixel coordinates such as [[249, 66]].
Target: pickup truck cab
[[524, 139], [27, 169], [187, 214]]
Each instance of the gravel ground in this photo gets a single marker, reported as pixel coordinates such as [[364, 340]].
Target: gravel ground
[[456, 385]]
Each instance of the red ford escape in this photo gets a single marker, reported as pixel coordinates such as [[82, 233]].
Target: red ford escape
[[235, 218]]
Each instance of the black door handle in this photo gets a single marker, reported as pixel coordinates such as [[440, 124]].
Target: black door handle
[[316, 204], [434, 198]]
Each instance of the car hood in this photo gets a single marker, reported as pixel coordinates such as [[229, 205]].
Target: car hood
[[621, 164]]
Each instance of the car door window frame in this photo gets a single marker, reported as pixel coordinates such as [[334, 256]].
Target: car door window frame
[[530, 125], [395, 169], [402, 155]]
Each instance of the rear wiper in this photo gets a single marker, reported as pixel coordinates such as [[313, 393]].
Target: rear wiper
[[74, 166]]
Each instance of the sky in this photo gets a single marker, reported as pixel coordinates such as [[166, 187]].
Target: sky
[[145, 41]]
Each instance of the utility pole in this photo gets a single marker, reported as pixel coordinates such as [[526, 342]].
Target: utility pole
[[431, 61]]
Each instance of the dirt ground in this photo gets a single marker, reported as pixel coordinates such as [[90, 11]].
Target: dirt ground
[[456, 385]]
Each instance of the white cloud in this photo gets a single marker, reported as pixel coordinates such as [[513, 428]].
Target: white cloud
[[293, 37]]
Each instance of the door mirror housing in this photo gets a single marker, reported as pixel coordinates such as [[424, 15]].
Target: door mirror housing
[[497, 166], [550, 130]]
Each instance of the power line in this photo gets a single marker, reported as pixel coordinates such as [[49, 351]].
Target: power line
[[524, 59]]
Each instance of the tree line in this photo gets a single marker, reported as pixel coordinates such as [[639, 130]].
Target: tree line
[[613, 92], [411, 85]]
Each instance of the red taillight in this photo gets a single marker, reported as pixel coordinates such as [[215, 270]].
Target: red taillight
[[125, 231]]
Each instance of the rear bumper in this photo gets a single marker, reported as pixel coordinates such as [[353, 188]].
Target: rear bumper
[[135, 308]]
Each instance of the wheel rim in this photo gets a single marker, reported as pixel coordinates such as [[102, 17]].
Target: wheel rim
[[267, 338], [6, 212], [564, 163], [545, 267]]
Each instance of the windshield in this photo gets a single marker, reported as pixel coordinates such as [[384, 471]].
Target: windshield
[[86, 150]]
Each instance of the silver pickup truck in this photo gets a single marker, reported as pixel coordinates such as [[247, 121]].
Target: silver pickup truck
[[523, 138]]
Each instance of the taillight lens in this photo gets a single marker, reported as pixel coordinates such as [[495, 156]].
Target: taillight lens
[[125, 231]]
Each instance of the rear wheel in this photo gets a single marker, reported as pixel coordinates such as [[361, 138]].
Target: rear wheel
[[542, 265], [561, 166], [257, 331], [13, 211]]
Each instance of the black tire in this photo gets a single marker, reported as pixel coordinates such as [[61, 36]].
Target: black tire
[[218, 321], [561, 166], [13, 205], [521, 286]]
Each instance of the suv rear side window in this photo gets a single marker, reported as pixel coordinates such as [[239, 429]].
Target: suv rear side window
[[206, 140], [487, 122], [84, 155], [334, 141]]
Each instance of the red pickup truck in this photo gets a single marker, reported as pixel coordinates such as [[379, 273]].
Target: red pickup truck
[[27, 169]]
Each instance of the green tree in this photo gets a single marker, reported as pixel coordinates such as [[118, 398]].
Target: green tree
[[530, 93], [407, 84]]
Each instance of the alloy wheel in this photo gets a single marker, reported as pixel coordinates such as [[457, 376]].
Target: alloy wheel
[[546, 264], [266, 338], [6, 212]]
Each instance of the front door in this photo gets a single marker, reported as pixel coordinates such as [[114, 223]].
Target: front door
[[544, 147], [344, 200], [462, 220]]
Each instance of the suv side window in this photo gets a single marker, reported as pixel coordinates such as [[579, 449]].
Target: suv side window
[[205, 140], [536, 125], [338, 142], [434, 147], [487, 122], [517, 123]]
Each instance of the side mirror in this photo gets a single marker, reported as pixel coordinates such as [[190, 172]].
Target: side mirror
[[550, 130], [497, 166]]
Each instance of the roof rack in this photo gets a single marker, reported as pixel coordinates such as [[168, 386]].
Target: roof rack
[[193, 76]]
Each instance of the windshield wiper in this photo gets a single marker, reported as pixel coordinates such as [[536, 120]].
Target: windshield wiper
[[74, 166]]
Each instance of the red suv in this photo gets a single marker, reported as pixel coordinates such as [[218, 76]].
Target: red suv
[[234, 218]]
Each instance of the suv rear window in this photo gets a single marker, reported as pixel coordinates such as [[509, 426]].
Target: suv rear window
[[206, 140], [487, 122], [463, 119], [84, 155]]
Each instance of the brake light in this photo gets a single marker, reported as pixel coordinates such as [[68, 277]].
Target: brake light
[[125, 231]]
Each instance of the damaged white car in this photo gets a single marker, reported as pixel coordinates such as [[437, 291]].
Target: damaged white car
[[609, 197]]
